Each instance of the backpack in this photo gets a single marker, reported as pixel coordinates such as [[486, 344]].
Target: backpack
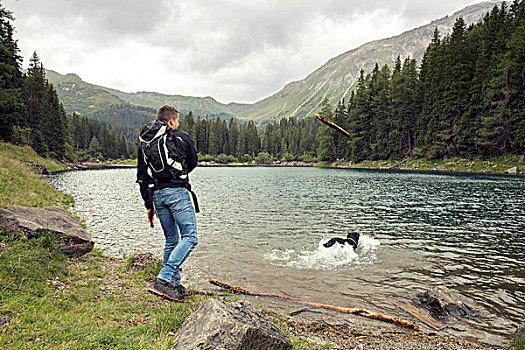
[[162, 151]]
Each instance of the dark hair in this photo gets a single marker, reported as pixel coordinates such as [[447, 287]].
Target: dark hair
[[166, 113]]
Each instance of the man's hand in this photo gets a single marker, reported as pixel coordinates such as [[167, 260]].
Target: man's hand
[[151, 212]]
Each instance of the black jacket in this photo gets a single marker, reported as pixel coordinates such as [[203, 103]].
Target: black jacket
[[145, 181]]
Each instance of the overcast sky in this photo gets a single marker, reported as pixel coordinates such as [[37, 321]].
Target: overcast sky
[[232, 50]]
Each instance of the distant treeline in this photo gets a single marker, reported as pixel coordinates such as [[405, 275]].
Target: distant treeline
[[93, 139], [125, 119], [31, 113], [244, 142]]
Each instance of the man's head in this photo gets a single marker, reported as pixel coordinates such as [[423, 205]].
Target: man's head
[[170, 115]]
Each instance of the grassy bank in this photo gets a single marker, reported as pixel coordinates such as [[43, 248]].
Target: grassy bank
[[91, 302], [27, 154], [88, 302], [19, 185], [458, 165]]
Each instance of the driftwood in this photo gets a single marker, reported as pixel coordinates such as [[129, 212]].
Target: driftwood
[[356, 311], [420, 315], [396, 166], [333, 125]]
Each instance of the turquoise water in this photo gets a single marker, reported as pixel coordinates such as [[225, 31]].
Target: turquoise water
[[263, 228]]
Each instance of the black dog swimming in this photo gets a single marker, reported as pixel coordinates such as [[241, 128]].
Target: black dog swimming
[[352, 238]]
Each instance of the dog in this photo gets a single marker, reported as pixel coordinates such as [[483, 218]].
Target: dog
[[352, 238]]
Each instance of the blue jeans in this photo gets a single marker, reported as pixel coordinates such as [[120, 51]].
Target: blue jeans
[[176, 214]]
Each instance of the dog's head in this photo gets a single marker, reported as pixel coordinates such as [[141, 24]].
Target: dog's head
[[353, 237]]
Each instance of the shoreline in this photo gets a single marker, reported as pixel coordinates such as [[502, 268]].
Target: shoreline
[[427, 167], [418, 166]]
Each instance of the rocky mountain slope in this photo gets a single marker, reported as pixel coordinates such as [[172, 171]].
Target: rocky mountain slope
[[338, 76], [334, 80]]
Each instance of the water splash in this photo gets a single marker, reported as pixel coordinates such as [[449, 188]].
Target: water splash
[[322, 258]]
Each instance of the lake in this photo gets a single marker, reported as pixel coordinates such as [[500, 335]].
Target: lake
[[262, 228]]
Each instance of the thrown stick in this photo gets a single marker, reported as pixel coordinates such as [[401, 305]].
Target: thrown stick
[[357, 311], [333, 125]]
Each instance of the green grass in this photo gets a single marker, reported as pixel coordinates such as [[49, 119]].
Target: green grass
[[517, 343], [20, 186], [27, 154], [82, 304], [459, 165], [91, 302]]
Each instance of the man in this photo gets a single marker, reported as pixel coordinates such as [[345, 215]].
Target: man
[[164, 186]]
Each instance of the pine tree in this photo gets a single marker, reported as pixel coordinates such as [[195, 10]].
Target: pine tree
[[359, 119], [94, 147], [233, 127], [325, 140], [11, 81], [381, 113]]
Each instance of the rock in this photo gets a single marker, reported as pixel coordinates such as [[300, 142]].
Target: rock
[[142, 260], [32, 222], [4, 320], [520, 332], [513, 171], [221, 325], [39, 169], [442, 168], [441, 303]]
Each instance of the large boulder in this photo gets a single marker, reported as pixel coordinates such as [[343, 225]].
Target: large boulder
[[443, 169], [512, 171], [32, 222], [220, 325], [442, 303]]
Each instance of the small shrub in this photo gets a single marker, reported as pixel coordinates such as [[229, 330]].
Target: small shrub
[[517, 343], [222, 159], [246, 158], [307, 158], [263, 158], [206, 157], [287, 157]]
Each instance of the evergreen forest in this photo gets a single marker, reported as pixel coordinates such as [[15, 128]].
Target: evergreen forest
[[31, 113]]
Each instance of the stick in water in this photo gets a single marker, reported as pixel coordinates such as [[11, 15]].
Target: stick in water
[[357, 311]]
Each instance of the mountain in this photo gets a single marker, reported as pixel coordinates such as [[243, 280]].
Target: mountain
[[338, 76], [79, 96], [334, 80]]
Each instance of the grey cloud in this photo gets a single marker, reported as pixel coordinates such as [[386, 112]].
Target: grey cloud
[[96, 21], [245, 46]]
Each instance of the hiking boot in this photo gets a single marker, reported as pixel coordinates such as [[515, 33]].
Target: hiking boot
[[186, 293], [166, 290]]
